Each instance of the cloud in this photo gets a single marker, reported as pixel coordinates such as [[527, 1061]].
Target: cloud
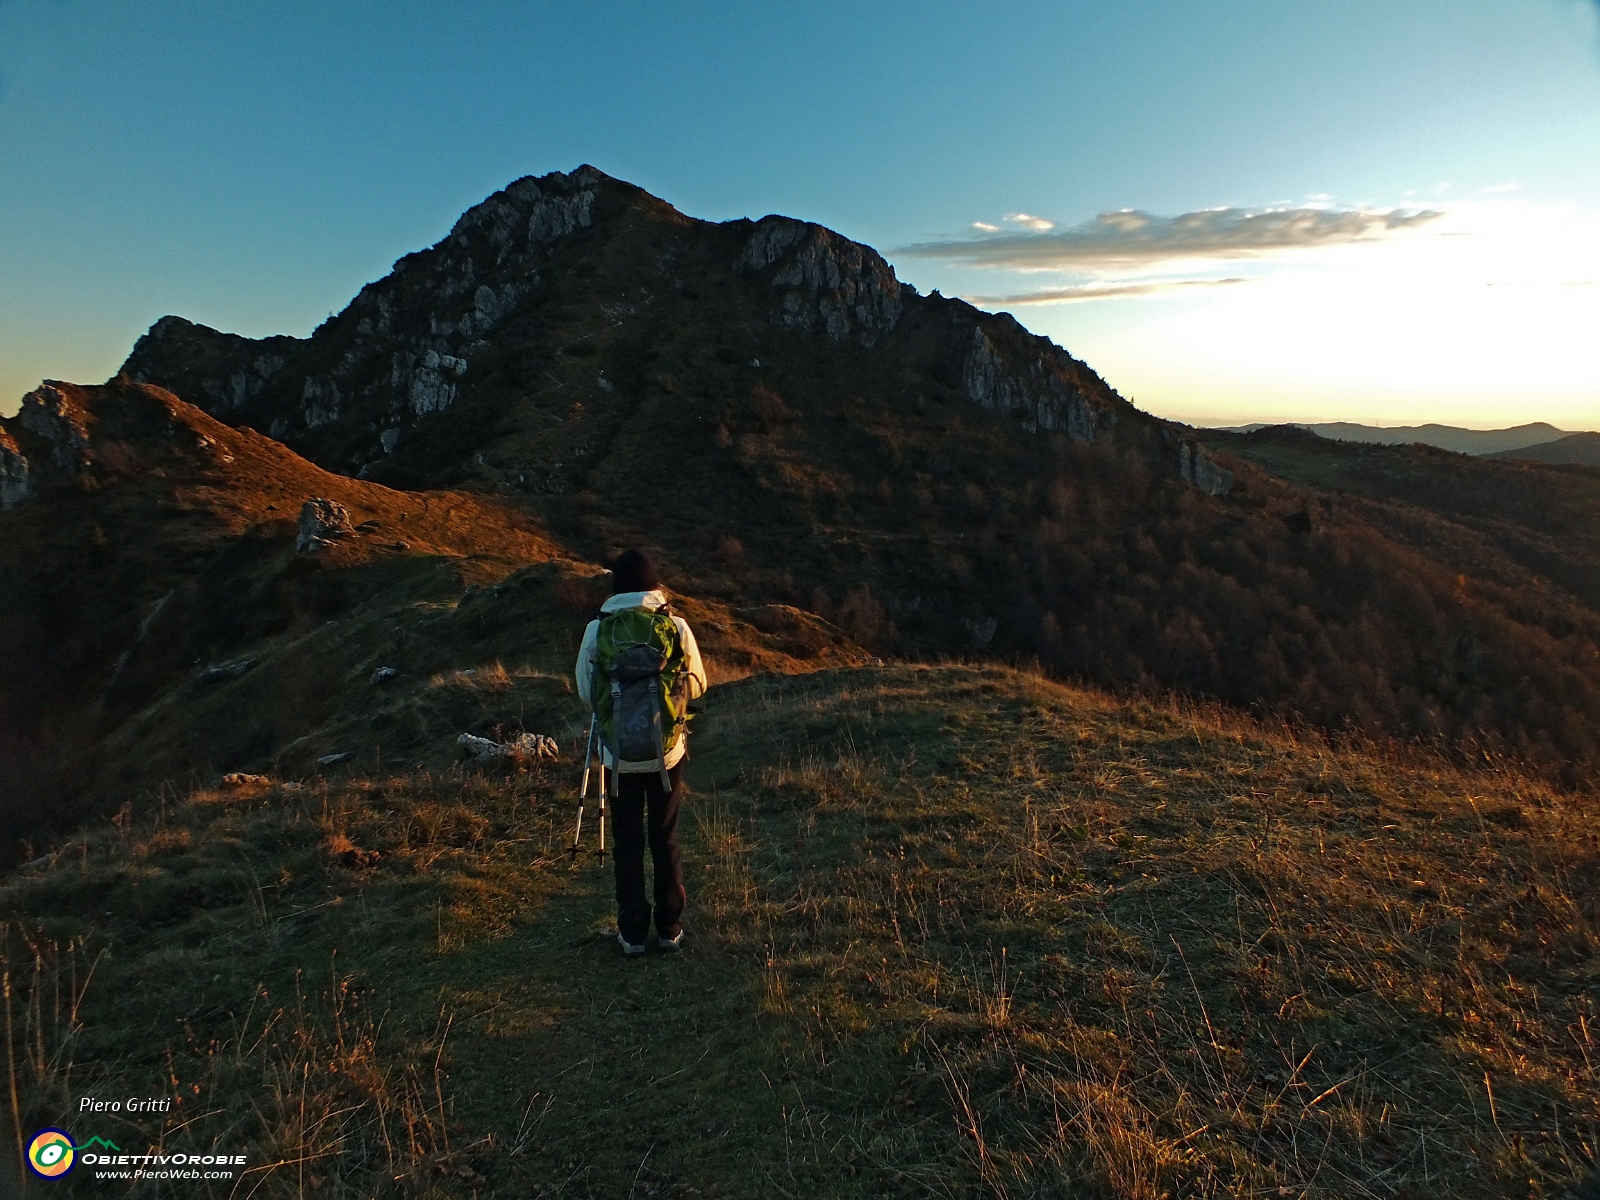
[[1037, 224], [1131, 238], [985, 227], [1098, 291]]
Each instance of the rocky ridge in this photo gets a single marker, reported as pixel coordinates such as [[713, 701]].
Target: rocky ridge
[[441, 326]]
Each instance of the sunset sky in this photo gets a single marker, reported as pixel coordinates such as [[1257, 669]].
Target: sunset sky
[[1385, 212]]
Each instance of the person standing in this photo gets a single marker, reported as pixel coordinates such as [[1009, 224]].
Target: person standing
[[639, 668]]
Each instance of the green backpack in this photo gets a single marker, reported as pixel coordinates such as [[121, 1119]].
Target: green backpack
[[640, 689]]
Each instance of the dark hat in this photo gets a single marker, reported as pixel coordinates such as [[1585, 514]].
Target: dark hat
[[633, 571]]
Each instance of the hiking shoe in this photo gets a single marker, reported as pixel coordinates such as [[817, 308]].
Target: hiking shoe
[[627, 946], [669, 944]]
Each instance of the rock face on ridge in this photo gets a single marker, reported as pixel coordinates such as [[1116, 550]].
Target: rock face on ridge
[[572, 267], [826, 282]]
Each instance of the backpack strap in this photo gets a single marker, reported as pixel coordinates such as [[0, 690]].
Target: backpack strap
[[655, 728], [616, 766]]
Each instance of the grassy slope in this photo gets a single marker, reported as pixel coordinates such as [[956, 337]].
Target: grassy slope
[[176, 549], [954, 931]]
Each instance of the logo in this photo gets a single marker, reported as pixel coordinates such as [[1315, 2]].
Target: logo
[[51, 1153]]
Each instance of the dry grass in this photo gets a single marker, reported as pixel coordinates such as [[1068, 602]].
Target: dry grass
[[954, 932], [1150, 951], [233, 942], [491, 678]]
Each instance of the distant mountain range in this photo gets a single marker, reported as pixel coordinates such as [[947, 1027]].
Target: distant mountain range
[[1554, 445]]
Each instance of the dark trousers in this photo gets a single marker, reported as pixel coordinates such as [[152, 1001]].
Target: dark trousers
[[640, 796]]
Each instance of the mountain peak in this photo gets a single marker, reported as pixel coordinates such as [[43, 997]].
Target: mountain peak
[[580, 266]]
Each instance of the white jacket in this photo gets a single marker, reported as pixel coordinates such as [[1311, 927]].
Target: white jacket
[[694, 671]]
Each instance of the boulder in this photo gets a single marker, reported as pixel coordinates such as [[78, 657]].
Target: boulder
[[321, 523], [524, 748]]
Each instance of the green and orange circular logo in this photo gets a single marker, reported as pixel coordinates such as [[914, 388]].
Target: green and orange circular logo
[[51, 1153]]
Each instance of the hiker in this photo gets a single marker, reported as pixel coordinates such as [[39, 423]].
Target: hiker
[[639, 642]]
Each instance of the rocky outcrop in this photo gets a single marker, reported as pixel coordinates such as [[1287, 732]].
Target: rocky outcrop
[[50, 413], [243, 384], [322, 522], [556, 216], [219, 372], [824, 281], [1196, 466], [397, 352], [542, 210], [523, 748], [319, 402], [1035, 389], [15, 486], [424, 383]]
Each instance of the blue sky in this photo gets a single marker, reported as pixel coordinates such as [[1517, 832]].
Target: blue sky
[[1378, 211]]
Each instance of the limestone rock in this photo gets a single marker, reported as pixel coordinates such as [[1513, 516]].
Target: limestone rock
[[982, 629], [425, 379], [14, 484], [50, 413], [383, 675], [328, 760], [322, 521], [1196, 466], [524, 748], [1033, 390], [319, 402], [556, 216], [825, 281], [220, 372]]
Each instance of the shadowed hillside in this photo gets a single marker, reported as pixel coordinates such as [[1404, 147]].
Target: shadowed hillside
[[162, 616]]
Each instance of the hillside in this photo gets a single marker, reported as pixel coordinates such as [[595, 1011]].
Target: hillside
[[766, 405], [1502, 522], [160, 614], [1582, 449], [954, 931]]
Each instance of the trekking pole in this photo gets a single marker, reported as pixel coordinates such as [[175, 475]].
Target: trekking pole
[[601, 853], [583, 792]]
